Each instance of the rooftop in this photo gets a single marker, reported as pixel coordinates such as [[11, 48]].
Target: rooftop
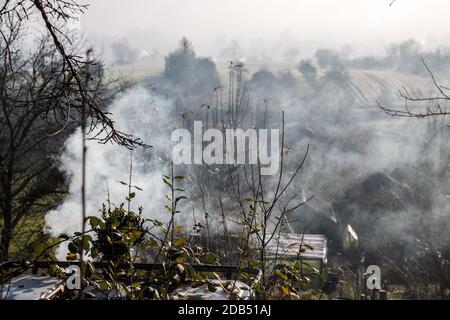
[[289, 245]]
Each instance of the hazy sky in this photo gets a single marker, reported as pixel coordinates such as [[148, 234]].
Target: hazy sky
[[366, 25]]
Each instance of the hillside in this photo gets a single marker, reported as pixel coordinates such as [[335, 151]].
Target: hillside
[[367, 86]]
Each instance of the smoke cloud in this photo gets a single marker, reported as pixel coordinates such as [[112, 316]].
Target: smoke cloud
[[141, 113]]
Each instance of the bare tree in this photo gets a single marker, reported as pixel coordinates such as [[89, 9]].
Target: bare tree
[[429, 263], [54, 14], [433, 105], [39, 107]]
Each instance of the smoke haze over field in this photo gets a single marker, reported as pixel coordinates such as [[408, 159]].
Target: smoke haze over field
[[355, 97], [368, 26]]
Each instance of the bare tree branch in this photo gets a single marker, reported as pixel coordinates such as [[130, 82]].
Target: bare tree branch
[[433, 110]]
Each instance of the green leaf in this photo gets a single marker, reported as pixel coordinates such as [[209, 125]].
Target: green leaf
[[180, 198], [86, 243], [136, 285], [115, 224], [257, 228], [94, 253], [180, 242], [104, 286], [94, 222], [211, 258], [167, 180], [137, 234], [281, 275], [38, 247], [156, 223], [52, 257], [168, 183]]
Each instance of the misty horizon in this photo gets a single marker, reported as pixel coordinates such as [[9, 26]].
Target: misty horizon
[[267, 26]]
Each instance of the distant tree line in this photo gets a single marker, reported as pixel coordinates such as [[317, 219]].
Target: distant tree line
[[403, 57]]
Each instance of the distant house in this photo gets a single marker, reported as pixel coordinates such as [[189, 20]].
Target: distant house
[[291, 247]]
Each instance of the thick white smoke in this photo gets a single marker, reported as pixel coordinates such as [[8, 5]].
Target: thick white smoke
[[138, 112]]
